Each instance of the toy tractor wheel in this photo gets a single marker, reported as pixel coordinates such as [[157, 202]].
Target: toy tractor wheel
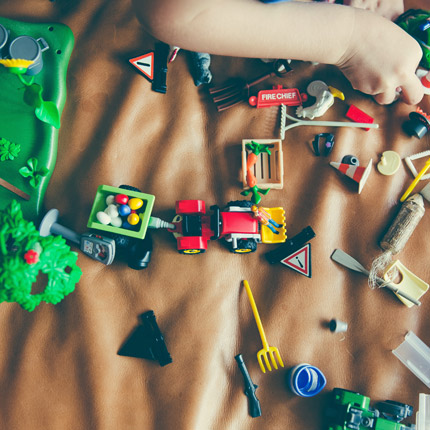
[[245, 246], [394, 411], [191, 251], [240, 203]]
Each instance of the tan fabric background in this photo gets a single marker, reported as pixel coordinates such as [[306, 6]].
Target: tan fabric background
[[59, 368]]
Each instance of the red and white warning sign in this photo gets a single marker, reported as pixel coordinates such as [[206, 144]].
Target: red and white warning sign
[[145, 64], [300, 261]]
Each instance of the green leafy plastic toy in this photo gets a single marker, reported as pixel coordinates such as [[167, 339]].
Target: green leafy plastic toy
[[31, 108], [24, 255]]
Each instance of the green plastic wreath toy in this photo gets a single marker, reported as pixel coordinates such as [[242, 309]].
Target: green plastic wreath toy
[[24, 254]]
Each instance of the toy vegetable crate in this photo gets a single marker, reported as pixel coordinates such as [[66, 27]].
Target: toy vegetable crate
[[269, 169], [99, 205]]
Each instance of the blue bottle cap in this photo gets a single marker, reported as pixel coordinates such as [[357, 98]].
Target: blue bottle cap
[[305, 380]]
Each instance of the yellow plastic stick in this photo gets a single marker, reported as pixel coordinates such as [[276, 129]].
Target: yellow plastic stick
[[415, 181]]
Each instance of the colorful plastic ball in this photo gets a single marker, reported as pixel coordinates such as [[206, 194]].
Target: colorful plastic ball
[[116, 222], [103, 217], [133, 219], [127, 226], [121, 199], [124, 210], [112, 211], [135, 203], [110, 199]]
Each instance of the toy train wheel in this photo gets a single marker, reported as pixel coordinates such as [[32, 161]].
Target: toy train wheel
[[191, 251]]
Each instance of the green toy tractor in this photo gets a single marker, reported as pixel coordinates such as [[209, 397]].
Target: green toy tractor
[[351, 411], [416, 22]]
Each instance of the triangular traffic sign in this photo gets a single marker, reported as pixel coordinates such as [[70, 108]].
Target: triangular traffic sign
[[300, 261], [145, 64]]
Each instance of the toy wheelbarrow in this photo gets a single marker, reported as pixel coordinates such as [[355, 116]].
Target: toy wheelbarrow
[[267, 350]]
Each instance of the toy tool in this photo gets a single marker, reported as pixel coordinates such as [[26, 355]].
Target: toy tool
[[298, 122], [415, 181], [250, 388], [267, 350], [13, 189], [230, 95], [351, 263]]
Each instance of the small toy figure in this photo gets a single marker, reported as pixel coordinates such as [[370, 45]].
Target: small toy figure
[[324, 95], [264, 218]]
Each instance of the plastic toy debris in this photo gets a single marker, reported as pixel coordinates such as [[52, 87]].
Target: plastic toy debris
[[250, 388], [251, 180], [350, 159], [418, 124], [145, 64], [357, 173], [337, 326], [267, 350], [95, 246], [389, 163], [409, 283], [324, 95], [13, 189], [298, 122], [31, 171], [415, 355], [159, 84], [425, 80], [147, 341], [237, 91], [305, 380], [350, 410], [410, 164], [277, 96], [415, 181], [291, 247], [355, 114], [268, 168], [416, 23], [25, 256], [351, 263], [8, 149], [397, 235], [423, 414], [327, 139]]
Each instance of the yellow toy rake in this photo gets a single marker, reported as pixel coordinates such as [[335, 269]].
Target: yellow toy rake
[[267, 350]]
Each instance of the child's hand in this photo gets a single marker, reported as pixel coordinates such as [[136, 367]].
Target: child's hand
[[380, 58], [391, 9]]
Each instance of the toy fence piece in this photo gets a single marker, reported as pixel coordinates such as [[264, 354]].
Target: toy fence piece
[[297, 122], [410, 164], [269, 169]]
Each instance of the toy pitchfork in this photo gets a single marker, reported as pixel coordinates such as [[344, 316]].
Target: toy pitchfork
[[271, 350]]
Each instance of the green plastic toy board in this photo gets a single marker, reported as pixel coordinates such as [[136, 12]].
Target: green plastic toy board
[[23, 135]]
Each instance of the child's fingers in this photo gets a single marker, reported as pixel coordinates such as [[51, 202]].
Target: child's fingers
[[413, 92], [386, 97]]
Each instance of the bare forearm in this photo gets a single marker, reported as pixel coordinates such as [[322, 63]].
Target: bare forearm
[[244, 28]]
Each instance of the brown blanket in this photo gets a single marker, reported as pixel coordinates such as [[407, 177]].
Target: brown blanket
[[60, 368]]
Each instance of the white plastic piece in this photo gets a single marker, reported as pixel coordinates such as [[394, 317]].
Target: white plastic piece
[[423, 414], [410, 164], [298, 122], [415, 355], [389, 164], [155, 222]]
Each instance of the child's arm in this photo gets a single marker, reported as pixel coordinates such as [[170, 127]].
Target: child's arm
[[373, 53], [391, 9]]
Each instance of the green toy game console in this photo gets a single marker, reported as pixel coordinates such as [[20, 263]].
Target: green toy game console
[[33, 94]]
